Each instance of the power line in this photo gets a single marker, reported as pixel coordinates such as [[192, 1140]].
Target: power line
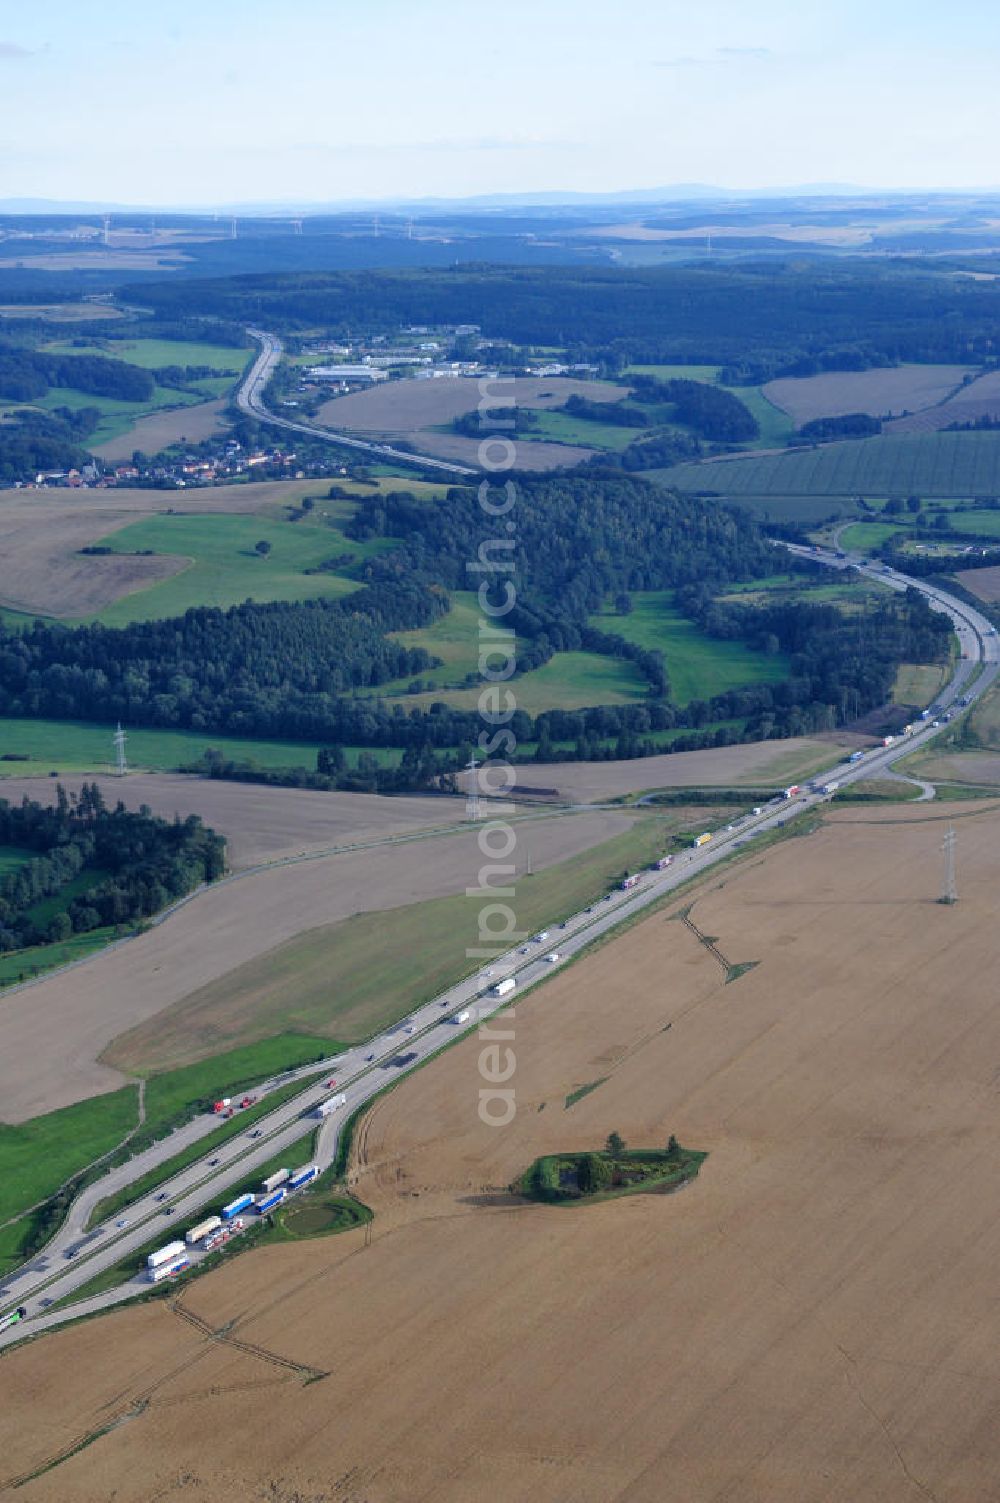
[[950, 893], [121, 766]]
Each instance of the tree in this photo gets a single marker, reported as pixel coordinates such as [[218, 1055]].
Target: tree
[[623, 604], [894, 506], [673, 1147], [593, 1173], [913, 503], [615, 1145], [61, 927], [263, 547]]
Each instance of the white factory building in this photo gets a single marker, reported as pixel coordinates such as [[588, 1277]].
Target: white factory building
[[345, 373]]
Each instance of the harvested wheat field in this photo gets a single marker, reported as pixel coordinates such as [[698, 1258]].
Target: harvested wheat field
[[41, 533], [401, 406], [413, 410], [881, 393], [260, 823], [750, 765], [985, 583], [64, 1022], [151, 434], [812, 1320], [980, 399]]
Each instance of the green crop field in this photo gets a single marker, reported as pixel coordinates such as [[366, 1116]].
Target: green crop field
[[565, 428], [675, 372], [118, 417], [924, 464], [866, 537], [454, 639], [153, 353], [699, 666], [22, 965], [568, 681], [225, 569], [63, 746], [985, 524], [36, 1157]]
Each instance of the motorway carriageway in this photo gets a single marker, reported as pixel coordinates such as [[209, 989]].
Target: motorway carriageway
[[364, 1070], [250, 399]]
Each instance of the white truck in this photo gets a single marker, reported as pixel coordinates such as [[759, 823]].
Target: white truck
[[503, 987], [165, 1254], [553, 957], [461, 1017], [331, 1104]]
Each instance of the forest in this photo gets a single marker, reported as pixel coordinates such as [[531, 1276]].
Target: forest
[[136, 865], [26, 375], [308, 670], [757, 319]]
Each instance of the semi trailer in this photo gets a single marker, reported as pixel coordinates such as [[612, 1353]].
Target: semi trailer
[[503, 987], [168, 1270], [273, 1181], [203, 1229], [241, 1203], [164, 1254]]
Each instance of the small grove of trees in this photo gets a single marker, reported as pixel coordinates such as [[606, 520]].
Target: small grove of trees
[[139, 864]]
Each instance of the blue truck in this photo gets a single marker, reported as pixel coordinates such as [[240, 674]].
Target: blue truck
[[241, 1203]]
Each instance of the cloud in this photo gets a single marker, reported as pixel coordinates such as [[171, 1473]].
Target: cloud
[[14, 49], [715, 58]]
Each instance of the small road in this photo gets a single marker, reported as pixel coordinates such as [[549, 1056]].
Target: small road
[[250, 399], [75, 1255]]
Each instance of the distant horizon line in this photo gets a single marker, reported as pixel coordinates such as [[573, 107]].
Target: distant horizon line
[[673, 194]]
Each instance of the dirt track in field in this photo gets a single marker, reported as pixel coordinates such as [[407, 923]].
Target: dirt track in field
[[41, 533], [260, 824], [880, 393], [812, 1321], [63, 1023]]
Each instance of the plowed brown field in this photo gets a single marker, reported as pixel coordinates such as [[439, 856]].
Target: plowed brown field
[[63, 1023], [813, 1320], [259, 823], [756, 763], [896, 389]]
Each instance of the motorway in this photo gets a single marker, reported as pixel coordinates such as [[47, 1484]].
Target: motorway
[[250, 399], [74, 1255]]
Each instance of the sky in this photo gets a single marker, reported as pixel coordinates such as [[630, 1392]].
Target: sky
[[211, 102]]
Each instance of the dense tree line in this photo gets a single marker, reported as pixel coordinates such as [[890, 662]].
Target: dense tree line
[[756, 319], [713, 412], [26, 375], [33, 441], [139, 864], [313, 670], [418, 769], [623, 414], [846, 425], [279, 669]]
